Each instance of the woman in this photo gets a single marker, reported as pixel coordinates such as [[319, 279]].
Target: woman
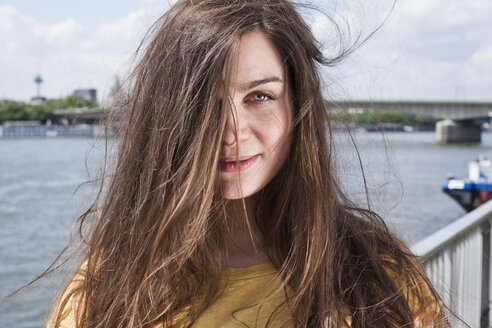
[[224, 209]]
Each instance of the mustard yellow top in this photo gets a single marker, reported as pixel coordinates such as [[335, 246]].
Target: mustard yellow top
[[248, 297]]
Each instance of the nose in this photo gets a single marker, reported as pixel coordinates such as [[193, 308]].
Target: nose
[[236, 126]]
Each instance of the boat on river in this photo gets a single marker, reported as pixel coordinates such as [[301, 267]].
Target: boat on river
[[474, 190]]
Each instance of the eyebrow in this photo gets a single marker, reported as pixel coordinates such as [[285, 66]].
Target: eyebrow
[[252, 84]]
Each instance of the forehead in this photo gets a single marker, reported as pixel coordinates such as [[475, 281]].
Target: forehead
[[257, 58]]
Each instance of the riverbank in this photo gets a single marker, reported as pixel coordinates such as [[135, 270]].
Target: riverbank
[[34, 129]]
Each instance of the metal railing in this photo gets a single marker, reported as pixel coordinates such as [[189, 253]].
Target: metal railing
[[457, 260]]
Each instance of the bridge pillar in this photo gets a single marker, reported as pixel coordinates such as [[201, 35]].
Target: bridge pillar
[[449, 131]]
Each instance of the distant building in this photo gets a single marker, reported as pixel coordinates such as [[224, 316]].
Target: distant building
[[87, 94], [38, 100]]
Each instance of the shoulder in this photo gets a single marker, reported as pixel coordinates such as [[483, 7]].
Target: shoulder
[[69, 304], [422, 299], [423, 303], [380, 282]]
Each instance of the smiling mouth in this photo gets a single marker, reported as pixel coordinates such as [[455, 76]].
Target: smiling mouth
[[234, 165]]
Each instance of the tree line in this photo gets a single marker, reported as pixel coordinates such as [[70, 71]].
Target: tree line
[[18, 111], [381, 116]]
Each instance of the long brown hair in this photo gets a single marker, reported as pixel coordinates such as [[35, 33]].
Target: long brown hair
[[154, 230]]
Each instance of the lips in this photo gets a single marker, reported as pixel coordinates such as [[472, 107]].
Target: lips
[[230, 164]]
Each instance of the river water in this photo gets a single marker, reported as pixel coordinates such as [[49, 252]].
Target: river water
[[38, 206]]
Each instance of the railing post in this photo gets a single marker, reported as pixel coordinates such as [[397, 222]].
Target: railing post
[[458, 261], [485, 307]]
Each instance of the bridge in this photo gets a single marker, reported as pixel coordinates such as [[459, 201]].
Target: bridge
[[457, 124], [453, 110]]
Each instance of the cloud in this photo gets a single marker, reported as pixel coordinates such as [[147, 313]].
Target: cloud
[[60, 33], [426, 49], [24, 36], [168, 3], [442, 30], [474, 69], [67, 55], [127, 27]]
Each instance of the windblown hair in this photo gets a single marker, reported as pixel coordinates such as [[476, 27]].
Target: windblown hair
[[155, 233]]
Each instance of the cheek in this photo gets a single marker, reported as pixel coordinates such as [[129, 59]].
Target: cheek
[[275, 124], [272, 132], [276, 135], [281, 126]]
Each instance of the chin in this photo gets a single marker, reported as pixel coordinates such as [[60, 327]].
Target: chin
[[232, 192]]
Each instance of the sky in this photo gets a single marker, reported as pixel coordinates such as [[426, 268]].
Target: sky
[[424, 50]]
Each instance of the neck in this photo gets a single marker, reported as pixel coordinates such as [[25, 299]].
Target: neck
[[244, 242]]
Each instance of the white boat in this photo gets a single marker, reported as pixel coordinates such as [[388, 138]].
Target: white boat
[[477, 188]]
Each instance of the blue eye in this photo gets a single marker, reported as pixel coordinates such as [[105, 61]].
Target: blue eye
[[260, 97]]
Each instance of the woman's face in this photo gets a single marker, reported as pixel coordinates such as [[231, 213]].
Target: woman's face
[[257, 134]]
